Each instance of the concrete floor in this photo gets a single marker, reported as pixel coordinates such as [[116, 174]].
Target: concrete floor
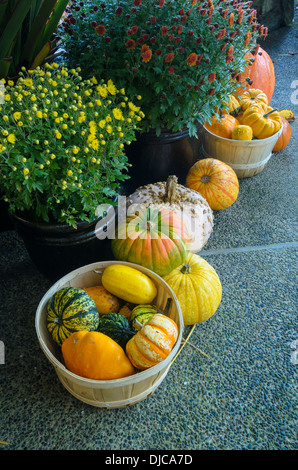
[[244, 396]]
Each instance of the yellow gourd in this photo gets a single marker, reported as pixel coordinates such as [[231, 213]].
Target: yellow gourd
[[242, 132], [197, 288], [264, 120], [129, 284], [251, 97]]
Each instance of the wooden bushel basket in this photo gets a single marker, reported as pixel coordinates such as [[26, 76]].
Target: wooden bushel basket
[[108, 393], [246, 157]]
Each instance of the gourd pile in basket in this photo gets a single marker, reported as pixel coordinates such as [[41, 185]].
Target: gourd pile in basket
[[250, 117]]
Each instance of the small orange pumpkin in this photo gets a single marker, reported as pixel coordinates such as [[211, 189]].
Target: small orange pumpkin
[[222, 126], [215, 181], [153, 342], [95, 356], [285, 136]]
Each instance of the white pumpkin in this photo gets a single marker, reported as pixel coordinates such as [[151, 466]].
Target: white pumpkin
[[193, 208]]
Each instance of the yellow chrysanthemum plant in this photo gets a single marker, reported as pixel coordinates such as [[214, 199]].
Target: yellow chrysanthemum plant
[[62, 143]]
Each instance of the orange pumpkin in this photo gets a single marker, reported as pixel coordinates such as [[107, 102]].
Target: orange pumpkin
[[215, 181], [95, 356], [154, 238], [261, 74], [285, 136], [222, 126]]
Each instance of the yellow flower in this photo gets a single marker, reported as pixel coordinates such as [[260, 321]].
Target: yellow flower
[[75, 150], [69, 173], [5, 118], [102, 91], [20, 123], [38, 114], [33, 98], [111, 87], [2, 148], [58, 135], [94, 81], [109, 129], [132, 107], [7, 97], [17, 115], [65, 115], [82, 117], [118, 114], [11, 138], [64, 126], [95, 144], [101, 123], [26, 171], [28, 82]]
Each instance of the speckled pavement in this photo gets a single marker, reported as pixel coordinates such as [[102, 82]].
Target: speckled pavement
[[243, 396]]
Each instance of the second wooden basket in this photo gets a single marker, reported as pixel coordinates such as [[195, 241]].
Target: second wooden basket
[[246, 157], [107, 393]]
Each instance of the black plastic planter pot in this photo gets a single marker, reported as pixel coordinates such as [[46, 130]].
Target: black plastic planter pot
[[58, 249], [153, 158]]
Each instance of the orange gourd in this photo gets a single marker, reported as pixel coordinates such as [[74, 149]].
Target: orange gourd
[[285, 136], [215, 181], [105, 301], [153, 342], [222, 126], [261, 74], [95, 356]]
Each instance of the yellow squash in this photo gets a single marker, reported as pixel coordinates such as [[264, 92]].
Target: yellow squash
[[264, 120], [129, 284], [197, 287]]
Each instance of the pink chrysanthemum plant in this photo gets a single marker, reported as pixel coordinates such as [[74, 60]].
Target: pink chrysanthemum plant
[[183, 57]]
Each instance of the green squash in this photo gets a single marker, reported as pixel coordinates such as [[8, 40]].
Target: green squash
[[116, 326], [141, 314], [70, 309]]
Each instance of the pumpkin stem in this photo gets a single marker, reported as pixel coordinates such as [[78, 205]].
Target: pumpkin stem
[[171, 189], [205, 179], [185, 269], [269, 112]]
